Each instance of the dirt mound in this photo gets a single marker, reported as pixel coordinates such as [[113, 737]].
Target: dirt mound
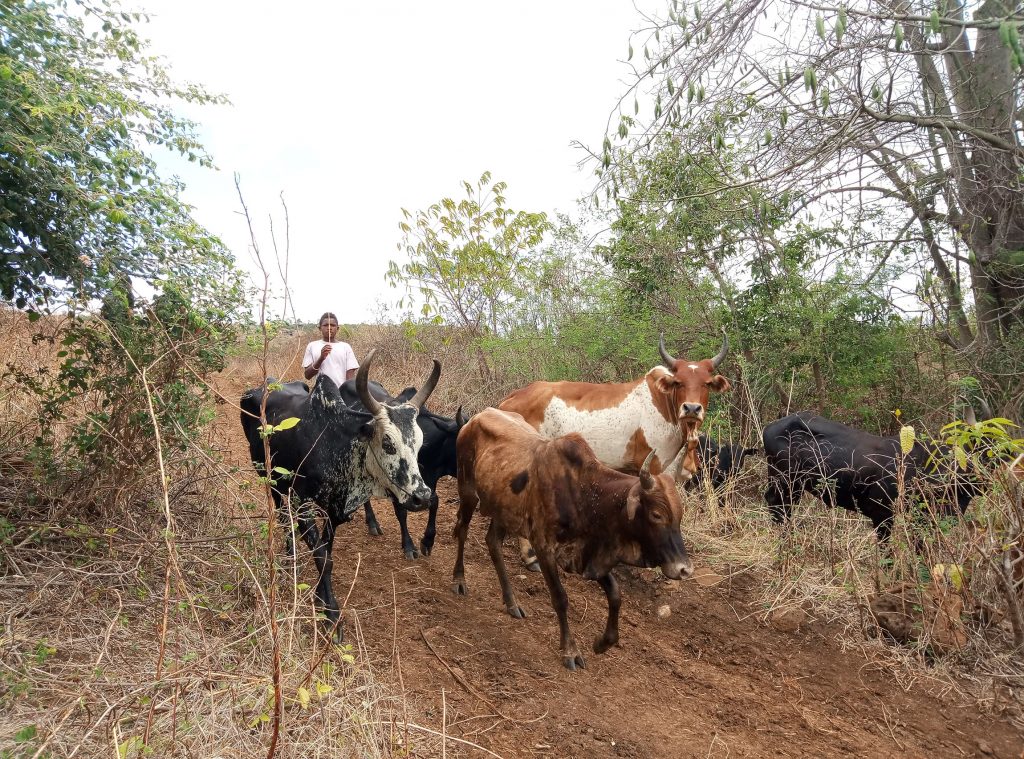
[[707, 679]]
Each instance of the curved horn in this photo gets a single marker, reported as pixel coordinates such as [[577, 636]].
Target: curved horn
[[368, 401], [666, 357], [722, 353], [646, 481], [460, 419], [428, 387]]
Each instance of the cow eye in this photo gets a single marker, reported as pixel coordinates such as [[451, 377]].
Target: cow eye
[[389, 446]]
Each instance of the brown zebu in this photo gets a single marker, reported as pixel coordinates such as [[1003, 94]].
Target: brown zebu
[[625, 422], [578, 513]]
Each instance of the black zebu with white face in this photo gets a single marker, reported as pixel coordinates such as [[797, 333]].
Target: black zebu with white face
[[436, 460], [340, 457]]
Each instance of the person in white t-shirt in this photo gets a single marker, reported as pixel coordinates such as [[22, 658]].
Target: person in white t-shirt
[[330, 356]]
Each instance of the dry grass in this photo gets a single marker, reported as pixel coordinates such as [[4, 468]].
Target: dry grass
[[81, 599], [82, 609]]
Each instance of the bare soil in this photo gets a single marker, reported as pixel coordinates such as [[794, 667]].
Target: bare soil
[[708, 680]]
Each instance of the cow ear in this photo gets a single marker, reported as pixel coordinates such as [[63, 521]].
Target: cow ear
[[366, 431], [666, 383], [719, 384], [632, 502]]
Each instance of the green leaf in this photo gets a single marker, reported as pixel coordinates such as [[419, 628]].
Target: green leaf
[[819, 25], [26, 734], [630, 56], [898, 34], [287, 424], [934, 22]]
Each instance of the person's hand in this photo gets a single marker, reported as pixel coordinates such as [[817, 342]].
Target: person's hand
[[324, 353]]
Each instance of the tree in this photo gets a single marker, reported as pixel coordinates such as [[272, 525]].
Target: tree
[[468, 260], [904, 113], [83, 207], [86, 221]]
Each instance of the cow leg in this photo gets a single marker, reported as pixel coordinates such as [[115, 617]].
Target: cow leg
[[495, 534], [321, 545], [407, 546], [284, 518], [611, 628], [874, 504], [468, 501], [427, 541], [527, 554], [571, 656], [372, 525], [779, 497]]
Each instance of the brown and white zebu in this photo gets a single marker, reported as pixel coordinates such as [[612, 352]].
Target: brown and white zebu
[[625, 422], [578, 513]]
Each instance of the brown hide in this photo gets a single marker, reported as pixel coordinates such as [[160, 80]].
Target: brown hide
[[556, 488], [578, 513], [672, 385]]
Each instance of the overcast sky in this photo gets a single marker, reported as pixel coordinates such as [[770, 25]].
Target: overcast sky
[[356, 110]]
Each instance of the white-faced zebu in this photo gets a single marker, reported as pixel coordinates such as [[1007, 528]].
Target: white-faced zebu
[[337, 457], [436, 459]]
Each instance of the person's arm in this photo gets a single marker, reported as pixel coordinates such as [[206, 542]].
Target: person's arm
[[312, 370]]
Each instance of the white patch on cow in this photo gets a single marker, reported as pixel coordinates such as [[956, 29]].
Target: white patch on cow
[[609, 431], [693, 367]]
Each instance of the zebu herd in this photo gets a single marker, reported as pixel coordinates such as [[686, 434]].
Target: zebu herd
[[584, 474]]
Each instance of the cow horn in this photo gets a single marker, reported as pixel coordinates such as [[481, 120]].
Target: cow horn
[[721, 354], [646, 481], [369, 402], [428, 387], [460, 418], [666, 357]]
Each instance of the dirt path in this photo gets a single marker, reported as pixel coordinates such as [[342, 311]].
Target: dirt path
[[707, 681]]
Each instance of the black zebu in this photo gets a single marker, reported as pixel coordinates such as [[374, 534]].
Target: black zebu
[[851, 468], [718, 461], [339, 457], [436, 459]]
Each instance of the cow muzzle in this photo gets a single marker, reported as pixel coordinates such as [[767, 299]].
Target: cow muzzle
[[677, 570], [418, 500], [692, 411]]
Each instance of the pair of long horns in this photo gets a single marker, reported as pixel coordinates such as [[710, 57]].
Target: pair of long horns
[[670, 361], [646, 480], [373, 405]]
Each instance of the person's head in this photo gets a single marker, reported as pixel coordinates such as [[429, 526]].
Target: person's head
[[328, 326]]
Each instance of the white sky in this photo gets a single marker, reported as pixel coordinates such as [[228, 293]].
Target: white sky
[[355, 110]]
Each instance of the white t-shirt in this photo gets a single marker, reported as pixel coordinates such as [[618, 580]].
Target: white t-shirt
[[337, 363]]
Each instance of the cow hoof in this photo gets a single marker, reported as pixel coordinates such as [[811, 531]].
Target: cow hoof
[[337, 634], [459, 588], [374, 529], [601, 644], [572, 663], [411, 554], [533, 566], [426, 548], [516, 612]]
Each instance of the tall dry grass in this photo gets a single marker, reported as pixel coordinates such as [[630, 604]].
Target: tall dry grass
[[84, 630]]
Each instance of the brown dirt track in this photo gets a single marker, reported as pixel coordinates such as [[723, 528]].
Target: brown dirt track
[[710, 680]]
